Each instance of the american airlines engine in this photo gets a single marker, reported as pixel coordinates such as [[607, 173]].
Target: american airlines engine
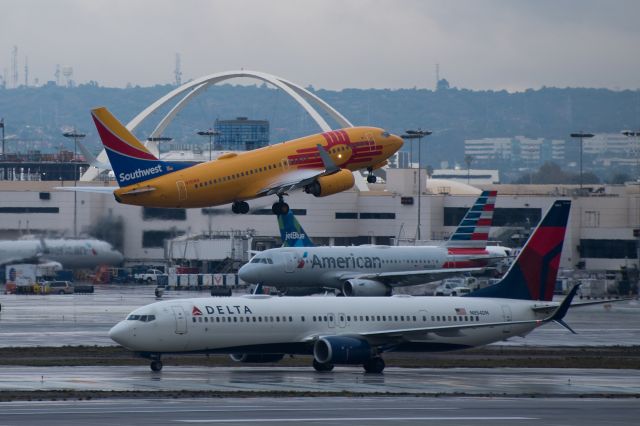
[[331, 184]]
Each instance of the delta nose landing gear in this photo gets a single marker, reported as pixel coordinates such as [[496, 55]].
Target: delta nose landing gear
[[240, 207], [156, 363], [371, 178], [280, 208]]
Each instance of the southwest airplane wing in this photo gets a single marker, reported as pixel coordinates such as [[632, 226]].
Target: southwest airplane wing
[[94, 189], [406, 278], [300, 178]]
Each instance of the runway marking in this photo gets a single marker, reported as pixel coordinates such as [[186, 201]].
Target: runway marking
[[224, 409], [350, 419]]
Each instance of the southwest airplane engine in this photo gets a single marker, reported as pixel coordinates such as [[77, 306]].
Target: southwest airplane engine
[[256, 358], [362, 288], [341, 350], [331, 184]]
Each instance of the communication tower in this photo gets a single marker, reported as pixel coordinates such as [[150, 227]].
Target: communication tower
[[14, 66], [26, 71], [178, 72], [57, 74]]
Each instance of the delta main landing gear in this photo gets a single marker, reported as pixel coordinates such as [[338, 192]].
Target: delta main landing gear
[[371, 178], [240, 207], [156, 364], [280, 208], [374, 365]]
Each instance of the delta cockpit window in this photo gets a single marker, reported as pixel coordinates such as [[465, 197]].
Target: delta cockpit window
[[142, 318]]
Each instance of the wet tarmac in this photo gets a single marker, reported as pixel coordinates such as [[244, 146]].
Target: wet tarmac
[[326, 411], [468, 381], [85, 319]]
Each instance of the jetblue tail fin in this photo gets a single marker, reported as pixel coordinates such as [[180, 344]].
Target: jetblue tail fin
[[473, 231], [532, 276], [291, 231], [130, 160]]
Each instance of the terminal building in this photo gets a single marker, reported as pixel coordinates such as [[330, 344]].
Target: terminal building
[[603, 229]]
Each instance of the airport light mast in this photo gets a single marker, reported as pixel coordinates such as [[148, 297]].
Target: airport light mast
[[4, 154], [211, 134], [75, 135], [581, 136], [418, 134]]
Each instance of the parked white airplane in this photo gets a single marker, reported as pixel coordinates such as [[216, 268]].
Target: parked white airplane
[[373, 270], [71, 253], [339, 330]]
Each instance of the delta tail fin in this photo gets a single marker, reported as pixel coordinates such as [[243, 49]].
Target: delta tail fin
[[291, 231], [532, 276], [130, 160], [473, 230]]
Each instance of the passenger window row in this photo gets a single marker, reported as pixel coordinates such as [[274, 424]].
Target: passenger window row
[[325, 318], [235, 176]]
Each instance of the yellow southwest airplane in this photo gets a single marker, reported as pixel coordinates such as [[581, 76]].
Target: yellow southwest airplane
[[320, 164]]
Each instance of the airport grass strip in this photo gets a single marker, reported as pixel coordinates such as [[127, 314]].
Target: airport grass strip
[[616, 357], [80, 395]]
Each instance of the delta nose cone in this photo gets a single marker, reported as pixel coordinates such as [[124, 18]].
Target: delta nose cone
[[119, 333]]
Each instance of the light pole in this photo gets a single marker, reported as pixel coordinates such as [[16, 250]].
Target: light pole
[[211, 134], [636, 233], [418, 134], [581, 136], [75, 136], [468, 159], [2, 127]]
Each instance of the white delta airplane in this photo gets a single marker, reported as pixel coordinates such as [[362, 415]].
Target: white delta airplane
[[373, 270], [358, 330]]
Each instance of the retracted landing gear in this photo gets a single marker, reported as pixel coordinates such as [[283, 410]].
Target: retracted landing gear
[[280, 208], [322, 367], [240, 207], [371, 178], [374, 365], [156, 364]]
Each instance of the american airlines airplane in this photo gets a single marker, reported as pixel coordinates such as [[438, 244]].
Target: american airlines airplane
[[373, 270], [340, 330], [82, 253]]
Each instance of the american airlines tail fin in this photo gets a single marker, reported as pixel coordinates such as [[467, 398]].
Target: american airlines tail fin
[[130, 160], [291, 231], [532, 276], [473, 231]]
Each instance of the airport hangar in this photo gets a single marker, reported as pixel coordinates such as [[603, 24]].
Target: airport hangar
[[601, 234]]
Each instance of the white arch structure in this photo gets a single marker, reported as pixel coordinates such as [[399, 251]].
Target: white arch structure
[[195, 87]]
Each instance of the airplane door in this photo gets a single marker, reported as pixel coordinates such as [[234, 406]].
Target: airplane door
[[181, 319], [182, 190], [342, 320], [331, 320], [506, 313]]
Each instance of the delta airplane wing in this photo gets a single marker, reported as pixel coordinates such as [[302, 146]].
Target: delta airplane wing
[[343, 331]]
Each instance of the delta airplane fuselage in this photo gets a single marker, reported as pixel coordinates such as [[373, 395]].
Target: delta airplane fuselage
[[277, 325], [362, 270]]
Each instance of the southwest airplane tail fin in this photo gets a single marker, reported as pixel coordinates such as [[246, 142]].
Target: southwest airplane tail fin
[[532, 276], [291, 231], [130, 160], [473, 230]]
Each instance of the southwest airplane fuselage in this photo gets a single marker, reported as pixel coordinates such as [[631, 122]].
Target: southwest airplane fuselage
[[248, 175]]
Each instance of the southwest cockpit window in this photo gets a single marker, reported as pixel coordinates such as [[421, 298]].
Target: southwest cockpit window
[[142, 318]]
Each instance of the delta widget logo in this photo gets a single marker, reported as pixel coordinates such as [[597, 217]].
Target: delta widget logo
[[196, 312]]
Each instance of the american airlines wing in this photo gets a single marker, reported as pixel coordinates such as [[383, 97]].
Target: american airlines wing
[[406, 278]]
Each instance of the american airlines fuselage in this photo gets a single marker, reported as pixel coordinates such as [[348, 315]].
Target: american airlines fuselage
[[363, 270], [71, 253]]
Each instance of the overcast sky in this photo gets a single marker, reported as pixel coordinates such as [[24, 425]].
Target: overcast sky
[[332, 44]]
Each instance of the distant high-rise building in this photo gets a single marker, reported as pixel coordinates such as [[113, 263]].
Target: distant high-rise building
[[241, 134]]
